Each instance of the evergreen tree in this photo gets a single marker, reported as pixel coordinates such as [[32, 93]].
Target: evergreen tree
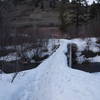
[[62, 15], [6, 16], [98, 1]]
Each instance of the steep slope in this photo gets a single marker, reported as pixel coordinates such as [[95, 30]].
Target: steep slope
[[53, 80]]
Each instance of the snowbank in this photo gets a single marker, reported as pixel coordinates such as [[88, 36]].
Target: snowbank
[[52, 80]]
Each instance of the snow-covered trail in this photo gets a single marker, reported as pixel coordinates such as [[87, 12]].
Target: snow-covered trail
[[54, 80], [45, 78]]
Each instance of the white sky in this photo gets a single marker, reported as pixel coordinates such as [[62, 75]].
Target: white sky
[[90, 1]]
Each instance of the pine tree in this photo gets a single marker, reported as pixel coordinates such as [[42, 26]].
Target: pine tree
[[6, 9], [63, 14], [98, 1]]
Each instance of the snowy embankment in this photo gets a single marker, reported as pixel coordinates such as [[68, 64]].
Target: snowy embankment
[[51, 80]]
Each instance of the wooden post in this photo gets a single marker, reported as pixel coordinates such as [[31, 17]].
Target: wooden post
[[70, 55]]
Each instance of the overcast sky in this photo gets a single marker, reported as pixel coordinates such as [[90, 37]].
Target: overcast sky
[[90, 1]]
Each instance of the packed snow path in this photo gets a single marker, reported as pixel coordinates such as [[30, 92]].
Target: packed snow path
[[54, 80]]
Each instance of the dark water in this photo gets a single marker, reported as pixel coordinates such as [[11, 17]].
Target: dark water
[[91, 67], [11, 67]]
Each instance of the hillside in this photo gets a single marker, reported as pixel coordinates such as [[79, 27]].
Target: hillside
[[30, 18]]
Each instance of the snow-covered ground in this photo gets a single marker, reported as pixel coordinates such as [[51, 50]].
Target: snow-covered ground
[[10, 57], [29, 52], [82, 44], [89, 44], [51, 80]]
